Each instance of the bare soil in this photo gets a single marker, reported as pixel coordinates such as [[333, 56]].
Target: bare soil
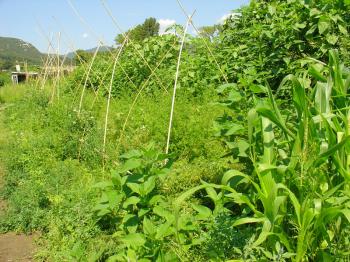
[[15, 247]]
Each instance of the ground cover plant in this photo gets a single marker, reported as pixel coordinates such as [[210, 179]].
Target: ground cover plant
[[258, 168]]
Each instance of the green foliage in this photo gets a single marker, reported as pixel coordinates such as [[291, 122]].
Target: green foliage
[[57, 157], [13, 49], [130, 203], [266, 39], [268, 182], [297, 157], [209, 32], [149, 28], [4, 78], [81, 57], [151, 65]]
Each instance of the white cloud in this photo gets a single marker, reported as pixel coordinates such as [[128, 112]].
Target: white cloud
[[85, 35], [164, 24], [227, 16]]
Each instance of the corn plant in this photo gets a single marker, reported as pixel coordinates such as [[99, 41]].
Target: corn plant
[[299, 155]]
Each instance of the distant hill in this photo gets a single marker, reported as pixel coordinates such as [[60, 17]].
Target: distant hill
[[104, 48], [13, 49]]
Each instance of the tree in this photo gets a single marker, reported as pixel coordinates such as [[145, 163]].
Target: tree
[[81, 56], [149, 28], [209, 32]]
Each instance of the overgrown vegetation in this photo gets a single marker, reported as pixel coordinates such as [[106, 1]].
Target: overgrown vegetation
[[259, 166]]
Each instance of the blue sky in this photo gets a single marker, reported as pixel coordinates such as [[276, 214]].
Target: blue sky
[[35, 21]]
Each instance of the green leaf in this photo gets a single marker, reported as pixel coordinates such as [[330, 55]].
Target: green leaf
[[117, 180], [148, 227], [131, 201], [323, 24], [203, 211], [343, 29], [265, 232], [162, 212], [224, 87], [258, 89], [212, 193], [242, 147], [178, 202], [234, 129], [315, 71], [249, 220], [234, 96], [143, 211], [131, 164], [164, 230], [346, 213], [131, 154], [103, 185], [102, 209], [136, 188], [331, 152], [149, 185], [332, 39], [134, 240], [267, 112], [230, 175], [114, 198]]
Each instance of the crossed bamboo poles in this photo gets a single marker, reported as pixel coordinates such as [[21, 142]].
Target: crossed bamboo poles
[[115, 57]]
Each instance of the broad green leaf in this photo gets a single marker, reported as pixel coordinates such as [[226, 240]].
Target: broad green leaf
[[249, 220], [130, 164], [114, 198], [148, 227], [265, 232], [231, 174], [267, 112], [342, 29], [143, 211], [136, 188], [252, 117], [178, 201], [103, 184], [242, 147], [131, 154], [315, 71], [164, 230], [324, 156], [134, 240], [212, 193], [156, 199], [203, 211], [162, 212], [149, 185], [224, 87], [258, 89], [346, 213], [332, 39], [323, 24], [234, 129], [268, 140], [133, 200]]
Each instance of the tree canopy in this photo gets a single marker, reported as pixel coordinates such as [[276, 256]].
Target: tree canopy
[[150, 27]]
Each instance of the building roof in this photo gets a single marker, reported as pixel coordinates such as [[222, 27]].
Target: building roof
[[24, 73]]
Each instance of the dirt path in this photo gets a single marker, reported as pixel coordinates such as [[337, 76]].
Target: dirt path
[[13, 247]]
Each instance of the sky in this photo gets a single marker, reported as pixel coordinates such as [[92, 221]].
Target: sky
[[82, 24]]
